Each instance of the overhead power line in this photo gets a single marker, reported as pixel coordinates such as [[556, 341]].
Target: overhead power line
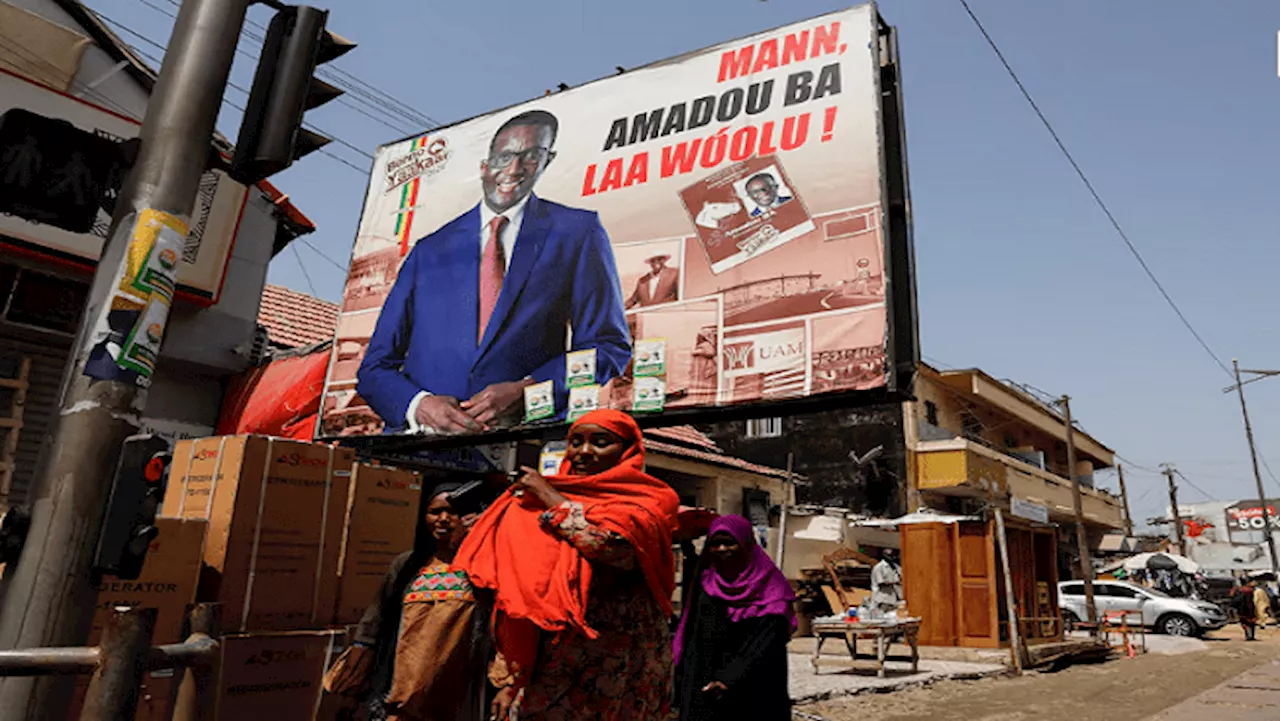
[[158, 61], [1092, 191], [357, 95]]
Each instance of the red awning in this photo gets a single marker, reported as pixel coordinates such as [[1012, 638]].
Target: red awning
[[281, 398]]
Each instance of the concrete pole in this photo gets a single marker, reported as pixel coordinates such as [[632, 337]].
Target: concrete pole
[[50, 596], [1267, 530], [1173, 506], [1082, 538], [1124, 498]]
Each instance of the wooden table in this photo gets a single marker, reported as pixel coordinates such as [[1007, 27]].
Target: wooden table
[[906, 630]]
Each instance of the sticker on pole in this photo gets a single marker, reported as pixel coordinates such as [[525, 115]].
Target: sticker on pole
[[131, 324]]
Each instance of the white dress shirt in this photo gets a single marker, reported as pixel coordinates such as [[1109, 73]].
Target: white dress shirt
[[653, 286], [514, 216]]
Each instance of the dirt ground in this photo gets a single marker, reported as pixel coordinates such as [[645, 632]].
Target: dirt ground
[[1130, 689]]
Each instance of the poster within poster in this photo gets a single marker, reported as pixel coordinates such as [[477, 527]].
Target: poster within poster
[[729, 203]]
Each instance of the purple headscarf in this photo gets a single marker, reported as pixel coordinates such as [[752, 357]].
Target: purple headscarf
[[760, 590]]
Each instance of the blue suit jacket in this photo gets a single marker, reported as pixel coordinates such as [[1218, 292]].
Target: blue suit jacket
[[562, 276]]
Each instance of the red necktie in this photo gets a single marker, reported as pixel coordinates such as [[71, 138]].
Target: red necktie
[[492, 268]]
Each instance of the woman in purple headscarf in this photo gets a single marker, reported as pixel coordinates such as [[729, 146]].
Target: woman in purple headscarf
[[731, 647]]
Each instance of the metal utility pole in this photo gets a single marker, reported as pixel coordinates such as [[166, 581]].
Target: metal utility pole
[[1077, 499], [1124, 498], [1168, 470], [50, 596], [1267, 530]]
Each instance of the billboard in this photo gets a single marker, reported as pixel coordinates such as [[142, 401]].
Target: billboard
[[712, 230], [1245, 521]]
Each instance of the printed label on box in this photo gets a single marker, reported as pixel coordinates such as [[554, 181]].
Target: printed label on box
[[650, 357], [580, 368], [582, 401], [539, 401], [650, 394]]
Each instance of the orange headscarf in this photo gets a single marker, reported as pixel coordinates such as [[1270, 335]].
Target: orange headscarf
[[541, 581]]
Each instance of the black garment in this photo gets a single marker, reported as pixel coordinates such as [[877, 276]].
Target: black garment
[[749, 657]]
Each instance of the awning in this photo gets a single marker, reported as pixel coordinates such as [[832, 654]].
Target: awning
[[923, 515]]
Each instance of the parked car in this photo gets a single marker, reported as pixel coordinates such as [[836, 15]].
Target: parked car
[[1159, 611]]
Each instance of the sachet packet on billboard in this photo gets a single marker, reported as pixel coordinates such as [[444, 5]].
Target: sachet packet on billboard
[[703, 231]]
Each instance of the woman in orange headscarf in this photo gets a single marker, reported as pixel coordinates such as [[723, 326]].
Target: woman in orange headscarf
[[582, 571]]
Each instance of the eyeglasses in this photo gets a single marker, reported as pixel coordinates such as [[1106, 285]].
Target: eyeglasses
[[530, 157]]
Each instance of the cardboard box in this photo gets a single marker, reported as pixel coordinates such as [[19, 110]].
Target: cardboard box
[[275, 509], [168, 584], [382, 510], [273, 676]]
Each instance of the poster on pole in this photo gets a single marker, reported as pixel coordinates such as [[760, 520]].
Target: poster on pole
[[705, 232]]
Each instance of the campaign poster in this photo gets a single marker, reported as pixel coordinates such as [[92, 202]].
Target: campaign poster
[[706, 231]]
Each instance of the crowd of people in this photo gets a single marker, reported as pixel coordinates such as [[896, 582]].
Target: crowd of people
[[554, 604]]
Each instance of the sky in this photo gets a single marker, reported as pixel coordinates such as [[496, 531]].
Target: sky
[[1169, 106]]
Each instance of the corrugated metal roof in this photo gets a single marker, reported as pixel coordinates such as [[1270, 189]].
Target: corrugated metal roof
[[687, 435], [294, 319], [719, 459]]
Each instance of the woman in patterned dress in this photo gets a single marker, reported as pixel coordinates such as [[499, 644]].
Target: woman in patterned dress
[[582, 571], [425, 638]]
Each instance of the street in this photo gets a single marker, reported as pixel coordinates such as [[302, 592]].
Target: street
[[1138, 688]]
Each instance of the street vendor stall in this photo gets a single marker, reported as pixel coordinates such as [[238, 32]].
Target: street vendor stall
[[952, 579], [884, 632]]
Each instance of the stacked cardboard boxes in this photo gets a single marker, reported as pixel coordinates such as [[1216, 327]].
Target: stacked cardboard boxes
[[276, 511], [299, 540], [167, 584], [381, 518]]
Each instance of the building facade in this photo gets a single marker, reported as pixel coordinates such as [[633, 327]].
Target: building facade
[[967, 442], [59, 60]]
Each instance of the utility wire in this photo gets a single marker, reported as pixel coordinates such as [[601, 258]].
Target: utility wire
[[345, 101], [32, 59], [320, 253], [1188, 481], [303, 267], [1092, 191], [158, 61]]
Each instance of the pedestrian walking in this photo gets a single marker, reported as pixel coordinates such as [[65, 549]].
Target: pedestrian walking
[[731, 646], [1246, 612], [583, 573], [421, 647], [1262, 606]]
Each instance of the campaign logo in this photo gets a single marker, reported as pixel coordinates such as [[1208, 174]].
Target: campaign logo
[[294, 459], [427, 159], [268, 656]]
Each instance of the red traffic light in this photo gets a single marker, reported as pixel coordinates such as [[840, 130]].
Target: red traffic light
[[154, 470]]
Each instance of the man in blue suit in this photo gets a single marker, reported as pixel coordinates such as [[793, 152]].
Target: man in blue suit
[[485, 306], [763, 189]]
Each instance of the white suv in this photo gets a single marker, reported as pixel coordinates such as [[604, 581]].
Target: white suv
[[1159, 611]]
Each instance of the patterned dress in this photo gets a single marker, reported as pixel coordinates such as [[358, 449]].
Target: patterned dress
[[434, 677], [624, 675]]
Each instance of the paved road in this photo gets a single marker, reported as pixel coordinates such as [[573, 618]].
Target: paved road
[[1252, 696]]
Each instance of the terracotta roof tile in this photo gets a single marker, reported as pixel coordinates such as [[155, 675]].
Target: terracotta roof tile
[[294, 319]]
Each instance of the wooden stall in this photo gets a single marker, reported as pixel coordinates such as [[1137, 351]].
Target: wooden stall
[[952, 579]]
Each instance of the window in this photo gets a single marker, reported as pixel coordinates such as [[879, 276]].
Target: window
[[1072, 589], [764, 428], [931, 413], [1120, 591], [971, 426]]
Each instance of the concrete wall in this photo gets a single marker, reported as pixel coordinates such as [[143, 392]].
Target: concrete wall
[[821, 443]]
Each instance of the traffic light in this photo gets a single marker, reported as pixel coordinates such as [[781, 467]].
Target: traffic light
[[55, 173], [271, 134], [137, 490]]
